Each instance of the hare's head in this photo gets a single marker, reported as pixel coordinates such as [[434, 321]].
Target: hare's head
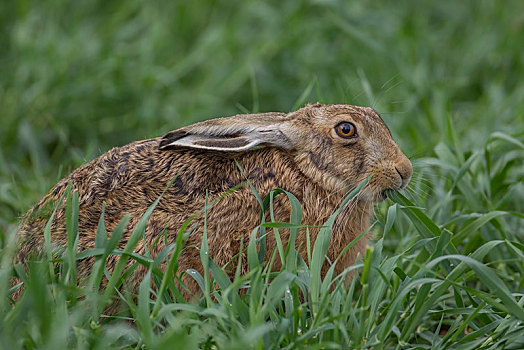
[[337, 146]]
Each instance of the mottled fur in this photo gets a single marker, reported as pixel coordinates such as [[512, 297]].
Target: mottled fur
[[298, 152]]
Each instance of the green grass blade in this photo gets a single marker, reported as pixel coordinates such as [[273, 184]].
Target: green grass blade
[[133, 240], [320, 248]]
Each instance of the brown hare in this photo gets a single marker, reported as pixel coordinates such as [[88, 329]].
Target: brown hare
[[318, 153]]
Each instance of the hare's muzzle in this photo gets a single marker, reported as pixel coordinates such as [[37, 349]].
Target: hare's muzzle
[[392, 173]]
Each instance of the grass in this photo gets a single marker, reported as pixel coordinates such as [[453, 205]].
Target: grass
[[446, 265]]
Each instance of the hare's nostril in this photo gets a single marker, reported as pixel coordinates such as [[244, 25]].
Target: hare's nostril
[[402, 177]]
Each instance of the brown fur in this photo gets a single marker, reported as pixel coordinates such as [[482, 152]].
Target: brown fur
[[298, 152]]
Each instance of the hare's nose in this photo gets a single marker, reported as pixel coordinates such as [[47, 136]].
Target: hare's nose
[[405, 170]]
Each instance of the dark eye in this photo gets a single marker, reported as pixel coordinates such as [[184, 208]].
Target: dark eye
[[346, 130]]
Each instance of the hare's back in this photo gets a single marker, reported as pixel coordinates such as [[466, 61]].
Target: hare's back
[[130, 178], [123, 178]]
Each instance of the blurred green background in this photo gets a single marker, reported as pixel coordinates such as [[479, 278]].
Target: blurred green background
[[80, 77]]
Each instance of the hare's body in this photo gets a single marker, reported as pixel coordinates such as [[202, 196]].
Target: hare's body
[[207, 157]]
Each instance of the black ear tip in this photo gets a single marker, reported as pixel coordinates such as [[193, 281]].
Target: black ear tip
[[171, 137], [163, 144]]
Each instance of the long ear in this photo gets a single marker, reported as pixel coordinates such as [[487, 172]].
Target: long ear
[[233, 134]]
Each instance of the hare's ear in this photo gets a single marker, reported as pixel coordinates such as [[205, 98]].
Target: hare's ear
[[233, 134]]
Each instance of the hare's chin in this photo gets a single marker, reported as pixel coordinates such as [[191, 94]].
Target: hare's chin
[[378, 197], [373, 197], [381, 196]]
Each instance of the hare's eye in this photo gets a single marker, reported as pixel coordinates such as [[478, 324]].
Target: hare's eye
[[346, 130]]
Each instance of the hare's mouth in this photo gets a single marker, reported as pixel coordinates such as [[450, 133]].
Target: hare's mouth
[[377, 194], [382, 195]]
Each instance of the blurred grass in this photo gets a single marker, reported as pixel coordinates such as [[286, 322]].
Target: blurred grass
[[77, 78]]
